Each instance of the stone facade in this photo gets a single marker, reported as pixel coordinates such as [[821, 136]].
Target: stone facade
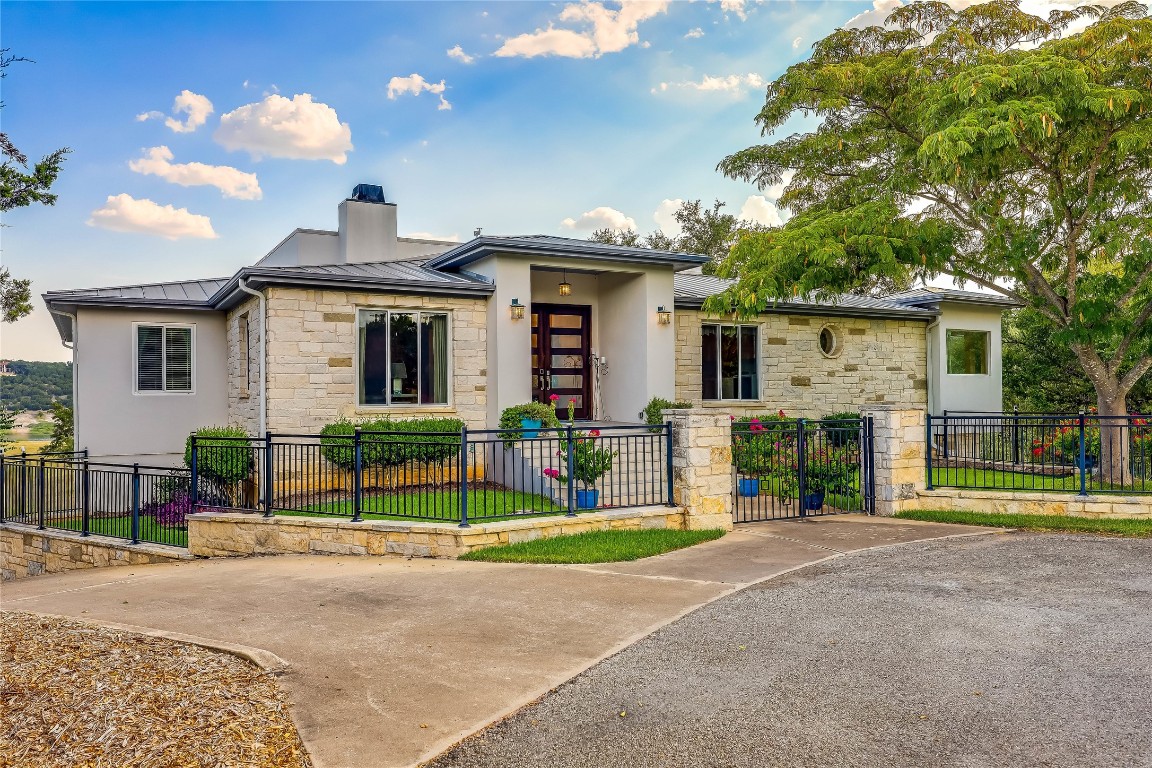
[[876, 361], [901, 456], [702, 474], [244, 391], [1032, 503], [26, 551], [312, 352], [238, 535]]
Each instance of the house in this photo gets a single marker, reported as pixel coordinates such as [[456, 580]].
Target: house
[[360, 322]]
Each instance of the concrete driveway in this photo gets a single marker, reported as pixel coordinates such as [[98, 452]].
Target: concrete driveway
[[392, 661]]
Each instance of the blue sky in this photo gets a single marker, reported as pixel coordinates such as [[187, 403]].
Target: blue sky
[[545, 112]]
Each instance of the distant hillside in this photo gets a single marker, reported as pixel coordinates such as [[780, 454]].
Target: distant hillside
[[34, 386]]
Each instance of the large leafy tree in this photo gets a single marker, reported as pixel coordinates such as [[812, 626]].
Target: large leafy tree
[[21, 185], [983, 143]]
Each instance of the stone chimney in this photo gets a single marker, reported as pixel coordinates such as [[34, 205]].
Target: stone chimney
[[367, 226]]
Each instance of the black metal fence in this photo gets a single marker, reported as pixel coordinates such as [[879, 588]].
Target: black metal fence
[[460, 477], [68, 492], [1078, 453], [797, 468]]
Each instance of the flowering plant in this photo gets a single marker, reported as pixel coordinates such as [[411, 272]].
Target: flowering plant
[[590, 462]]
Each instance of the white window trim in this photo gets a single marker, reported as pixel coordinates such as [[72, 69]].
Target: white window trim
[[362, 406], [740, 366], [136, 353], [987, 353]]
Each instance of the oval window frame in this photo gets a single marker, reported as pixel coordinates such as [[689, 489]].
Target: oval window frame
[[837, 345]]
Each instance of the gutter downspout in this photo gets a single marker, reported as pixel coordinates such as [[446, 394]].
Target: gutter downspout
[[75, 379], [933, 371], [243, 285]]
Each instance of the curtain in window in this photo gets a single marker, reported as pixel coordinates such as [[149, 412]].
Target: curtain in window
[[434, 365]]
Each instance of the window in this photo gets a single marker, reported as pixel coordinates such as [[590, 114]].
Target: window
[[164, 358], [730, 362], [829, 342], [967, 352], [404, 358], [242, 332]]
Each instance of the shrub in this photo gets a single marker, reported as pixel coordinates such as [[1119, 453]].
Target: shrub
[[511, 416], [429, 440], [226, 461], [842, 434], [653, 413]]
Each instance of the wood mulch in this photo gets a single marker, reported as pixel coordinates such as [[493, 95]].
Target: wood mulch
[[74, 694]]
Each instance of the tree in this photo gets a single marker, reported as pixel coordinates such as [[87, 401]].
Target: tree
[[21, 186], [981, 144], [62, 430]]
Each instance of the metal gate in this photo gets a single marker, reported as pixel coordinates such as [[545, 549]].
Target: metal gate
[[788, 468]]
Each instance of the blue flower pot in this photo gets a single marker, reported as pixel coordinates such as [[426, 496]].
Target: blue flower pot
[[587, 499], [531, 428], [749, 486], [814, 501], [1087, 465]]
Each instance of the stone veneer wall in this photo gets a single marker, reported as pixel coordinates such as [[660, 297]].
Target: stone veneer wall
[[879, 361], [312, 339], [244, 396], [1033, 503], [26, 551]]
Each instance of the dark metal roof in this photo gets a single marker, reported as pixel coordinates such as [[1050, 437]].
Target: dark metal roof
[[933, 296], [566, 247], [691, 290]]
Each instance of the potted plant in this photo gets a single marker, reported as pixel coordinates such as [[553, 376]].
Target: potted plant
[[590, 462], [752, 454], [827, 469], [525, 421]]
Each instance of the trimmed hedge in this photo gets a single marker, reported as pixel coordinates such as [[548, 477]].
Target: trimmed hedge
[[428, 441], [653, 412], [227, 461]]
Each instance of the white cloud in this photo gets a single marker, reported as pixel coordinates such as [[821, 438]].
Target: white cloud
[[874, 17], [773, 192], [296, 128], [452, 238], [124, 213], [456, 52], [197, 108], [415, 85], [665, 218], [157, 161], [1041, 8], [724, 84], [757, 208], [604, 30], [694, 33], [796, 42], [735, 7], [601, 217]]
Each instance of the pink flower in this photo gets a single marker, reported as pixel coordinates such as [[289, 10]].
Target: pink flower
[[731, 418], [552, 473], [553, 397], [571, 401], [594, 433]]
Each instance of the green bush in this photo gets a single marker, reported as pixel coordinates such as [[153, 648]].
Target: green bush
[[429, 441], [844, 434], [511, 416], [653, 412], [228, 461]]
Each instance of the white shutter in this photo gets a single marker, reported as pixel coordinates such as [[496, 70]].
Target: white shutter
[[149, 358], [178, 359]]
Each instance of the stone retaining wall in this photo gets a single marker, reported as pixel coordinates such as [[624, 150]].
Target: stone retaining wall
[[1033, 503], [28, 551], [232, 534]]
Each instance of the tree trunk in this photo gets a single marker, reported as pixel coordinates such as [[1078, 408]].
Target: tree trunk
[[1115, 436]]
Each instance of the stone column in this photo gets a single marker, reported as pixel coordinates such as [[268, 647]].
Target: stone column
[[901, 458], [702, 467]]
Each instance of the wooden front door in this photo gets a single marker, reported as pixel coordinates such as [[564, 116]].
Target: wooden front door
[[561, 338]]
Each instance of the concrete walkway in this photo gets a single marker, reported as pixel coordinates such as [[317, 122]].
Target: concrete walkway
[[392, 661]]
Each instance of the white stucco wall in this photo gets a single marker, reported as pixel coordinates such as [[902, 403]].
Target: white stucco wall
[[965, 392], [116, 424]]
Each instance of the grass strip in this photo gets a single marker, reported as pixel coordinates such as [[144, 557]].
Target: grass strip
[[594, 547], [1061, 523]]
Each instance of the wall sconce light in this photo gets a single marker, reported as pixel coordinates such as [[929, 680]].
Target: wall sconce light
[[565, 286], [663, 315], [517, 309]]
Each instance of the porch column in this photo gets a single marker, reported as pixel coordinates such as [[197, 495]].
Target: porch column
[[702, 475], [901, 458]]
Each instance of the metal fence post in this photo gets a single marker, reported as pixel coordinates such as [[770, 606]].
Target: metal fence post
[[668, 459], [928, 443], [194, 492], [3, 489], [463, 484], [135, 503], [1083, 458], [570, 464], [944, 448], [40, 493], [267, 474], [1015, 434], [870, 448], [357, 466], [23, 484], [85, 502], [801, 466]]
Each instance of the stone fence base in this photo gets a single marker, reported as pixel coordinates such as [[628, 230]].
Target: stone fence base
[[28, 551], [1032, 503], [233, 534]]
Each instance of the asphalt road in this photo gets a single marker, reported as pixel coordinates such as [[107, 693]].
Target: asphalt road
[[1011, 650]]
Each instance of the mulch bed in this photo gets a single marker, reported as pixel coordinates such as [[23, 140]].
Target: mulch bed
[[73, 694]]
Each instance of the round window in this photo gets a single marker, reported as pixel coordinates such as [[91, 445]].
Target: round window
[[829, 342]]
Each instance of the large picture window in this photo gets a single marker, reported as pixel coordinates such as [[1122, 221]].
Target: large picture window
[[730, 362], [967, 352], [404, 357], [164, 358]]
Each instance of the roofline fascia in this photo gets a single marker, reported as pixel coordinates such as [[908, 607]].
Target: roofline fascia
[[474, 251], [257, 278], [825, 311]]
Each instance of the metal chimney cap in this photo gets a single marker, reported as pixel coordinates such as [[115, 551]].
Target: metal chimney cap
[[369, 193]]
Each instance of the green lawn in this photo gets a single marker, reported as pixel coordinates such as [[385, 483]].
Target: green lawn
[[594, 547], [486, 503], [121, 527], [977, 479], [1129, 528]]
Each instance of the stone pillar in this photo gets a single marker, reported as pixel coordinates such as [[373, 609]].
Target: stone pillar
[[901, 458], [702, 467]]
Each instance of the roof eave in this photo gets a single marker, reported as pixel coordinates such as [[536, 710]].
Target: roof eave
[[474, 250], [230, 292], [831, 310]]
